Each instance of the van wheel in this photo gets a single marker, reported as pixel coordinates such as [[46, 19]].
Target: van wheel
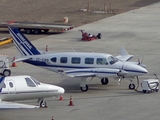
[[144, 91], [6, 72]]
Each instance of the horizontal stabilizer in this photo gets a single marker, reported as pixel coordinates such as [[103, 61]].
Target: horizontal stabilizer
[[20, 59]]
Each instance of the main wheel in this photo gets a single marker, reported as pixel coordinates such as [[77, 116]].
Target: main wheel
[[7, 72], [84, 89], [132, 86], [43, 104], [104, 81]]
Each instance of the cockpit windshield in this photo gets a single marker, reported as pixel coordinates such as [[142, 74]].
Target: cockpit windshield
[[112, 59], [36, 81]]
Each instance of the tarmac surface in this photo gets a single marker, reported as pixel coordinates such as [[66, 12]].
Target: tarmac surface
[[138, 32]]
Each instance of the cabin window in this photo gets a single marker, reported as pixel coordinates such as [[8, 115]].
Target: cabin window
[[89, 60], [11, 84], [63, 60], [76, 60], [4, 85], [29, 82], [54, 59], [101, 61]]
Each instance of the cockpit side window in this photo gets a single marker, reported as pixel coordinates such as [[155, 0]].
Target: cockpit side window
[[36, 81], [112, 60], [29, 82], [101, 61]]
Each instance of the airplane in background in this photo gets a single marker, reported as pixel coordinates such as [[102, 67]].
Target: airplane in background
[[79, 64], [24, 87]]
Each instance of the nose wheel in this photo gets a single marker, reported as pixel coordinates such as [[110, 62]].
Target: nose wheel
[[42, 103], [132, 86]]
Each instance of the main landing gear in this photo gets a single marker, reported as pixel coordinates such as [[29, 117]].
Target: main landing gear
[[84, 86]]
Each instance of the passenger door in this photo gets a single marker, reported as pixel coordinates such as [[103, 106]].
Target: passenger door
[[11, 86]]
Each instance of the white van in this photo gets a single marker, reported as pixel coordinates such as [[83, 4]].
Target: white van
[[4, 65]]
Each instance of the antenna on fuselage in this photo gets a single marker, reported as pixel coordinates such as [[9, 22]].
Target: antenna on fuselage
[[73, 50]]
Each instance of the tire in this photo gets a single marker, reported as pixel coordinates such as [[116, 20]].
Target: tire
[[28, 31], [99, 36], [157, 90], [7, 72], [144, 91], [36, 31], [104, 81], [43, 104], [84, 89], [132, 86]]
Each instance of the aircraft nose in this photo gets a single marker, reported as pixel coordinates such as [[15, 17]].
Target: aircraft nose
[[139, 70], [61, 90]]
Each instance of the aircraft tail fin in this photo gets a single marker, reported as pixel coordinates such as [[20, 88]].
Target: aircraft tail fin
[[124, 55], [123, 51], [1, 82], [24, 46]]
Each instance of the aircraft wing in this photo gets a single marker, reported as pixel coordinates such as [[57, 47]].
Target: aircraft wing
[[90, 72], [12, 105], [124, 56]]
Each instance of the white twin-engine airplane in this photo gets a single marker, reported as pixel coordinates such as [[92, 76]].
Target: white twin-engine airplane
[[24, 87], [78, 64]]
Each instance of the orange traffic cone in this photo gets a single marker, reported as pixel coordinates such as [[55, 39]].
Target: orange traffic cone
[[14, 63], [71, 102], [61, 97]]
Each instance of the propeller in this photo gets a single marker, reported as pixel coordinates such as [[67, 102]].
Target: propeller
[[121, 74]]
